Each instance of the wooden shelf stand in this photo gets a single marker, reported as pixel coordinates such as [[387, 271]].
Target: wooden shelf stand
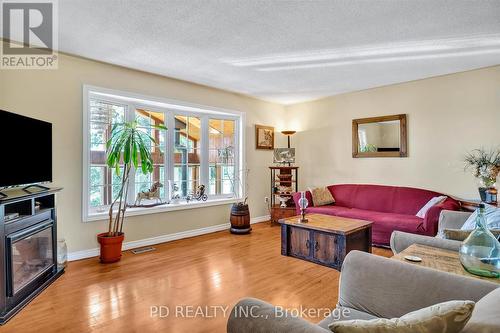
[[284, 182]]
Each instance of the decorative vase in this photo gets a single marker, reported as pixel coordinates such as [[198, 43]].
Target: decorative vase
[[303, 203], [111, 247], [482, 193], [62, 254], [480, 252]]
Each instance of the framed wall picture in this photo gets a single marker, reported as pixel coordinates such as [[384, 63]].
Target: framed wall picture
[[284, 155], [264, 137]]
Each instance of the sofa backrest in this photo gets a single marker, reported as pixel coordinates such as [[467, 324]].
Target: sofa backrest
[[389, 288], [381, 198]]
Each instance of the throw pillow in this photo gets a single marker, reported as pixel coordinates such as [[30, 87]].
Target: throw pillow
[[461, 235], [321, 196], [447, 317], [434, 201], [492, 215], [484, 318]]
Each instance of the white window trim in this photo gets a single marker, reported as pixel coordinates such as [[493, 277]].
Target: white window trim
[[134, 101]]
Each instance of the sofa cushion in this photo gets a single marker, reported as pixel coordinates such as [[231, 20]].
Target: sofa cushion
[[410, 222], [485, 317], [344, 313], [447, 317], [368, 197], [327, 210], [384, 223]]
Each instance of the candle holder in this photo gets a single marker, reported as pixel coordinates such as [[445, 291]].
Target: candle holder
[[303, 203]]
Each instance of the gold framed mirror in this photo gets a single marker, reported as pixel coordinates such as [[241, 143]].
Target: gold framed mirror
[[384, 136]]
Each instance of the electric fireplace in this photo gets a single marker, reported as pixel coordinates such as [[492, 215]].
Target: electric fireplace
[[28, 248]]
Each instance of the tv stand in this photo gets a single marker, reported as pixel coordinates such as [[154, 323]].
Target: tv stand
[[35, 227], [43, 188]]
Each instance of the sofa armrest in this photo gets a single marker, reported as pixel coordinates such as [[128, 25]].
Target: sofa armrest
[[452, 220], [251, 315], [296, 197], [390, 288], [431, 219], [401, 240]]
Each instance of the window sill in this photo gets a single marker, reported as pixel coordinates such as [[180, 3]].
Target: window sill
[[164, 208]]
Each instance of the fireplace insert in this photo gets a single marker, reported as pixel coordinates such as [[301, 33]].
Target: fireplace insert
[[28, 248]]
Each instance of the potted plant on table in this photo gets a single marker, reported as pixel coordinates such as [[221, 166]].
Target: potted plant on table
[[128, 147], [485, 167]]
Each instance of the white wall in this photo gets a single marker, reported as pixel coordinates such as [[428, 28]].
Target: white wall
[[447, 116], [56, 96]]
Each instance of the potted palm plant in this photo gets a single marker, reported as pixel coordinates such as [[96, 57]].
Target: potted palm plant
[[128, 147]]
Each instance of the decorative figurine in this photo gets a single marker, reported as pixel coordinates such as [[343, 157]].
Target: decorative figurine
[[153, 193], [303, 202], [199, 195], [174, 196]]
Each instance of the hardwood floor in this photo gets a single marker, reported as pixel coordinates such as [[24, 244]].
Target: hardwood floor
[[210, 270]]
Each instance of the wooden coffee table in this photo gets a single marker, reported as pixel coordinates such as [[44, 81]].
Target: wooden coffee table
[[324, 239], [438, 259]]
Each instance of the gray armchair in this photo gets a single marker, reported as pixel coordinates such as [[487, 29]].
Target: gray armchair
[[370, 286], [447, 220]]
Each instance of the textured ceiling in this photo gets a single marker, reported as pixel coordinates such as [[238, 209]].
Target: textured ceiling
[[286, 51]]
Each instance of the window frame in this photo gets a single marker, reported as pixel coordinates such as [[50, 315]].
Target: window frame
[[170, 108]]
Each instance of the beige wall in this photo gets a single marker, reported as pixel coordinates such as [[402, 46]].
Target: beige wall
[[56, 96], [447, 116]]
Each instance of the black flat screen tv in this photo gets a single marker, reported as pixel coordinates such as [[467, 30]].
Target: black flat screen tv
[[25, 150]]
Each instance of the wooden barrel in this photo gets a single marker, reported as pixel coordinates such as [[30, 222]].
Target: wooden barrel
[[240, 219]]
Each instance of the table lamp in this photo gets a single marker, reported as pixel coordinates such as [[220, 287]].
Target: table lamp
[[303, 203]]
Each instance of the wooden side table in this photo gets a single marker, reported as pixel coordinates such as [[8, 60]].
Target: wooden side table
[[470, 206], [278, 213]]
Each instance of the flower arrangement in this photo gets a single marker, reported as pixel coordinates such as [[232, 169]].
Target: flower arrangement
[[485, 165]]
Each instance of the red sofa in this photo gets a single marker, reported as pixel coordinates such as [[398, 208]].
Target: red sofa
[[388, 207]]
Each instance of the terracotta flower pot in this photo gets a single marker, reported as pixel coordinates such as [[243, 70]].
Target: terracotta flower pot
[[111, 247]]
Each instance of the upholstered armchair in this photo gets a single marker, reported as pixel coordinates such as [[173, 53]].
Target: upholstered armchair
[[447, 220], [376, 287]]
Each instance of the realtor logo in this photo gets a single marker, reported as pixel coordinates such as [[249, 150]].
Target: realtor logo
[[29, 30]]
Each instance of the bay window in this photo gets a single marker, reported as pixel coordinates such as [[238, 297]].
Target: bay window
[[194, 146]]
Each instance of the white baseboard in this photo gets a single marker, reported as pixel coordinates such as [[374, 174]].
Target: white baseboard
[[260, 219], [77, 255]]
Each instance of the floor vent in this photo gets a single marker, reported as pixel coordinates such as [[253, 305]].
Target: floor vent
[[143, 250]]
